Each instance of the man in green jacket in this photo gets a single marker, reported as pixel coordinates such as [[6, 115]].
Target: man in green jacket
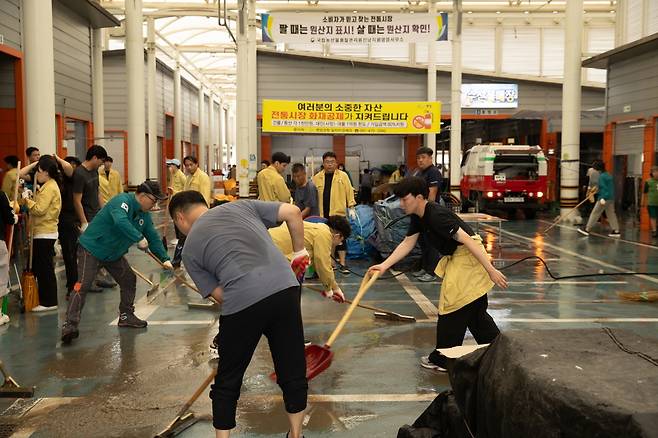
[[123, 221], [605, 201]]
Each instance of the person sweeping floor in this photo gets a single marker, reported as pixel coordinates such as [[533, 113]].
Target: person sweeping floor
[[124, 221], [230, 256], [467, 273], [320, 240]]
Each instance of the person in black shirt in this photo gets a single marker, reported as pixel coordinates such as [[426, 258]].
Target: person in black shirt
[[33, 156], [88, 201], [432, 176], [69, 227], [465, 268]]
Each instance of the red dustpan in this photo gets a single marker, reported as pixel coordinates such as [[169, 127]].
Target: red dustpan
[[318, 358]]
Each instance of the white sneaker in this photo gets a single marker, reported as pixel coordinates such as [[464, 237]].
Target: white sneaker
[[4, 319], [425, 363], [41, 308], [614, 234]]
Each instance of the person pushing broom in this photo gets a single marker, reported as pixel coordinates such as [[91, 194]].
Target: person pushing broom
[[125, 220], [230, 256], [467, 273]]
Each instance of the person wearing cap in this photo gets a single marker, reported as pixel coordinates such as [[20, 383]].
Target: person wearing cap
[[127, 220], [197, 179], [271, 185], [109, 180], [176, 181]]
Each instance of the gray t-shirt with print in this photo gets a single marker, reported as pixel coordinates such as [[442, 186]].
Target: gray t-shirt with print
[[229, 246]]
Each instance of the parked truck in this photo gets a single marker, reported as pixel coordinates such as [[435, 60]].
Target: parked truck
[[504, 177]]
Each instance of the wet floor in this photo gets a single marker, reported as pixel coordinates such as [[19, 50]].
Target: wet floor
[[116, 382]]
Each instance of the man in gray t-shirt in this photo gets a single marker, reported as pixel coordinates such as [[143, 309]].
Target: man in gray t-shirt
[[230, 256], [231, 248], [305, 195]]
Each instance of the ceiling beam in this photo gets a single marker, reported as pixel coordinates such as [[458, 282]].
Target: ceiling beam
[[168, 9], [218, 71], [227, 48]]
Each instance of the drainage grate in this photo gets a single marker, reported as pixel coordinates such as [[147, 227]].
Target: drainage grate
[[7, 430]]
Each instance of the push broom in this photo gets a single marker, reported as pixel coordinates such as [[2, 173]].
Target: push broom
[[560, 218], [11, 389], [186, 419], [379, 312]]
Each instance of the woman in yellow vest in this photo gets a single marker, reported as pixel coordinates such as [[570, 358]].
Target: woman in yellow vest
[[176, 180], [398, 174], [44, 207], [109, 180], [197, 179]]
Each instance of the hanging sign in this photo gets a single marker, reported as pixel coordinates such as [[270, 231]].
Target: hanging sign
[[351, 117], [490, 95], [359, 28]]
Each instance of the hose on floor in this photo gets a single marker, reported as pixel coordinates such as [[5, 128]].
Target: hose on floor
[[569, 277], [537, 258]]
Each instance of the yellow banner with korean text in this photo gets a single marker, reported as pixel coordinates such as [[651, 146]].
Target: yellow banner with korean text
[[293, 116]]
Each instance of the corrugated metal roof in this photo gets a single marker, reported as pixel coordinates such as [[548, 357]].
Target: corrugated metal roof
[[620, 53]]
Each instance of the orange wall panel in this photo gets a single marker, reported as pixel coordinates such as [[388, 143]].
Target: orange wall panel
[[339, 148]]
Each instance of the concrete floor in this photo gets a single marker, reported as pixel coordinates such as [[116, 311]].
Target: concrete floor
[[129, 383]]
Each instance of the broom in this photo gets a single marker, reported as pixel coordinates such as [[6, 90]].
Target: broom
[[646, 296], [28, 282], [10, 241]]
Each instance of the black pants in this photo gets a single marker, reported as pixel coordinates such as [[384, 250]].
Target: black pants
[[365, 195], [68, 239], [88, 267], [451, 328], [278, 317], [43, 266], [178, 251], [430, 255]]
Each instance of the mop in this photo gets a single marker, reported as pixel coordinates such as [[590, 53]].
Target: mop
[[379, 313], [212, 305], [11, 389], [154, 286], [186, 419]]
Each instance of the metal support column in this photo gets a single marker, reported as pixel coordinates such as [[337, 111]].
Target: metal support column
[[97, 87], [39, 75], [221, 140], [254, 133], [455, 100], [430, 139], [571, 90], [212, 126], [178, 114], [203, 136], [154, 165], [244, 95], [135, 79]]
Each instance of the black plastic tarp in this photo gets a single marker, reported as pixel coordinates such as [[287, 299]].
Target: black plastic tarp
[[553, 383]]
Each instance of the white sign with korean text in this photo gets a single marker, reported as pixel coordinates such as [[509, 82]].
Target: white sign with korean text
[[359, 28], [490, 96]]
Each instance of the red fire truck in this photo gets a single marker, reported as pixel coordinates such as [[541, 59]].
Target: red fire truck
[[504, 177]]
